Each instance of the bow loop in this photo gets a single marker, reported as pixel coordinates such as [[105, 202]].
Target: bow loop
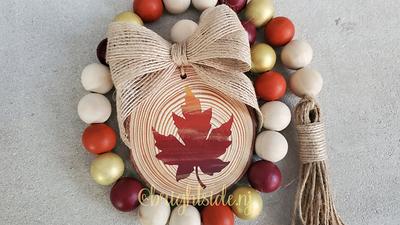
[[141, 61]]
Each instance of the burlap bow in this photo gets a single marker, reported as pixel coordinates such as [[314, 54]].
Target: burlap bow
[[141, 61]]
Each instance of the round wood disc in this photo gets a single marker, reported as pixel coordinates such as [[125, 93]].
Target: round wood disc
[[190, 141]]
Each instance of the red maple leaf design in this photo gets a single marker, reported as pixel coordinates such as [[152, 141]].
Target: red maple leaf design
[[201, 145]]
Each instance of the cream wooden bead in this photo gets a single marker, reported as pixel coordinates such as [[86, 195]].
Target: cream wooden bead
[[271, 146], [97, 78], [204, 4], [154, 210], [185, 215], [176, 6], [94, 108], [182, 30], [306, 81], [276, 115], [296, 54]]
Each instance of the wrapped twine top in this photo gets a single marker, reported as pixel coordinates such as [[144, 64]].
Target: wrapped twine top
[[141, 61], [310, 131]]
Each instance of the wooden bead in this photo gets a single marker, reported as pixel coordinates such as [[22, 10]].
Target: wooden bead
[[247, 203], [97, 78], [182, 30], [128, 17], [235, 5], [94, 108], [276, 115], [297, 54], [204, 4], [154, 210], [279, 31], [263, 58], [270, 86], [264, 176], [99, 138], [251, 30], [176, 6], [102, 52], [148, 10], [107, 168], [306, 81], [217, 214], [271, 146], [125, 194], [259, 11], [185, 215]]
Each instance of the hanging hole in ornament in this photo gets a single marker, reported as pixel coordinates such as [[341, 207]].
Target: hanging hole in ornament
[[183, 76]]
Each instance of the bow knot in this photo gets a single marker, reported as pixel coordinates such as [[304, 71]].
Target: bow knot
[[141, 61], [178, 54]]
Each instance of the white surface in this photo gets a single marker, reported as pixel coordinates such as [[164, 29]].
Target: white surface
[[45, 44]]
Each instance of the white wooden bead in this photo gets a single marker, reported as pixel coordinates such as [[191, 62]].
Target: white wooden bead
[[94, 108], [276, 115], [204, 4], [97, 78], [182, 30], [306, 81], [154, 210], [185, 215], [296, 54], [271, 146], [176, 6]]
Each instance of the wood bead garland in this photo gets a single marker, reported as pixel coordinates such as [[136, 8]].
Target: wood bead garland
[[262, 175]]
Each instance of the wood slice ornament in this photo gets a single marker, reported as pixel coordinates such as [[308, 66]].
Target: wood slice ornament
[[189, 139], [183, 108]]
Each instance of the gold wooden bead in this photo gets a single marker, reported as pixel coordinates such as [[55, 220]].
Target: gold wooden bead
[[107, 168], [128, 17], [259, 11], [263, 58], [247, 203]]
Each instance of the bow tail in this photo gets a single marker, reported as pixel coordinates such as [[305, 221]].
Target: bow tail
[[132, 93], [234, 84]]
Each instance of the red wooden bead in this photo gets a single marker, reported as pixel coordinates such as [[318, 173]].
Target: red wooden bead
[[99, 138], [251, 31], [235, 5], [279, 31], [102, 52], [264, 176], [270, 86], [124, 194], [217, 214], [148, 10]]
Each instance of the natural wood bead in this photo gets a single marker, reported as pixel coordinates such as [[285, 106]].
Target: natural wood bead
[[296, 54], [306, 82]]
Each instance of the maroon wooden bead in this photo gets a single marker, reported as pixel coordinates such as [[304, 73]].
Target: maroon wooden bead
[[124, 194], [102, 51], [235, 5], [264, 176], [251, 31]]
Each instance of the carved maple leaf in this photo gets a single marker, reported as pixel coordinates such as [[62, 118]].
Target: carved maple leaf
[[201, 145]]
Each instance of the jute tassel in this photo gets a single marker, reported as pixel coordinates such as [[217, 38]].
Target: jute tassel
[[313, 204]]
